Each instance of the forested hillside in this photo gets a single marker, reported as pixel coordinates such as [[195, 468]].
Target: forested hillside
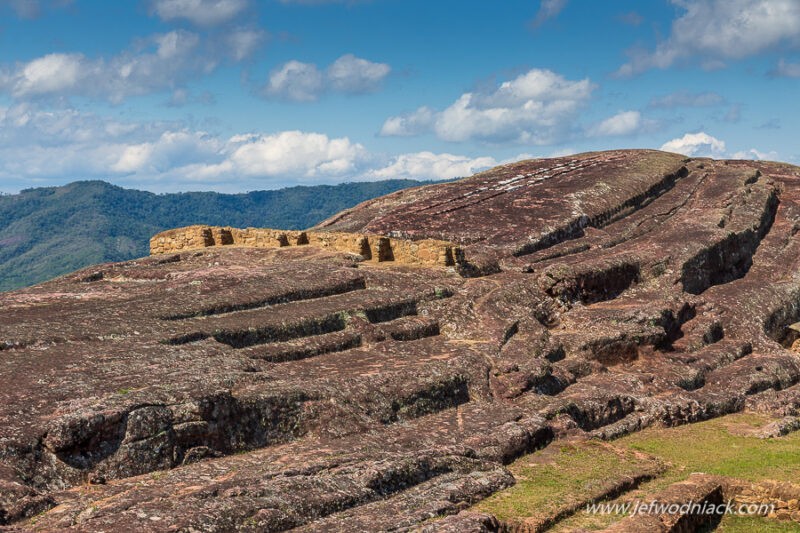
[[46, 232]]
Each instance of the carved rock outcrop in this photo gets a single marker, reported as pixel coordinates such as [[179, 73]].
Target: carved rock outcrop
[[378, 371]]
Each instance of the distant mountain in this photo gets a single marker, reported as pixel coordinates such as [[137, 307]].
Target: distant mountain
[[46, 232]]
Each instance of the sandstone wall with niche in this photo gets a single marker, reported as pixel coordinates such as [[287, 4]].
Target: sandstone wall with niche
[[377, 248]]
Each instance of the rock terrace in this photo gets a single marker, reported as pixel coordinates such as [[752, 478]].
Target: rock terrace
[[255, 382]]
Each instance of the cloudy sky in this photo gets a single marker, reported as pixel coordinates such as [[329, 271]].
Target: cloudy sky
[[236, 95]]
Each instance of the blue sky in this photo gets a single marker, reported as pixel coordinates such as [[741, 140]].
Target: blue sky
[[236, 95]]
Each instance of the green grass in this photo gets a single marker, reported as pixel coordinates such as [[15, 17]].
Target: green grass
[[550, 479], [714, 447], [749, 524]]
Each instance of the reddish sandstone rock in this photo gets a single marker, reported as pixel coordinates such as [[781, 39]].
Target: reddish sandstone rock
[[239, 386]]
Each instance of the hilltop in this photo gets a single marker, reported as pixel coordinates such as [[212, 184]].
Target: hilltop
[[488, 354], [47, 232]]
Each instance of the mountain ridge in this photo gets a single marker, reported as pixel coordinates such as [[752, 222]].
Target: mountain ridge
[[50, 231]]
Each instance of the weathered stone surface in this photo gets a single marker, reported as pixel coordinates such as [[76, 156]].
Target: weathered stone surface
[[699, 490], [260, 381]]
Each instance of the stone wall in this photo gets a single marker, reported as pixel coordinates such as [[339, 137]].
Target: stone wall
[[776, 500], [377, 248], [784, 497]]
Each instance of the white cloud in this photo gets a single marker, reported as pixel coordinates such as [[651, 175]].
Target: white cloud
[[50, 73], [295, 153], [717, 30], [786, 69], [537, 107], [548, 9], [702, 144], [51, 146], [156, 63], [415, 123], [687, 99], [698, 144], [623, 123], [199, 12], [37, 144], [756, 155], [427, 165], [304, 82], [172, 149], [301, 82], [243, 42], [354, 74]]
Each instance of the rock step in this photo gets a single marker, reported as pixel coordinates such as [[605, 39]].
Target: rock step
[[443, 495], [699, 489], [410, 328], [251, 501], [602, 217], [131, 440], [324, 315], [321, 290], [294, 350], [296, 483]]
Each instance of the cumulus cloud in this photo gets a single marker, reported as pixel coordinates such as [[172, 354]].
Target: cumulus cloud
[[38, 145], [284, 157], [410, 124], [158, 62], [49, 74], [199, 12], [295, 153], [623, 123], [354, 74], [756, 155], [427, 165], [305, 82], [47, 146], [687, 99], [301, 82], [537, 107], [702, 144], [718, 30], [698, 144], [172, 149]]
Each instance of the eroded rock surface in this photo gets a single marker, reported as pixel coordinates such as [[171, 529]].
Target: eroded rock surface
[[307, 386]]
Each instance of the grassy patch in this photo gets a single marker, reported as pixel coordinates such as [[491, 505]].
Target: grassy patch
[[721, 446], [749, 524], [552, 480], [549, 479]]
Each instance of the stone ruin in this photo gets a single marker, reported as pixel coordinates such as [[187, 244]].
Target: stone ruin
[[376, 248], [378, 371]]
